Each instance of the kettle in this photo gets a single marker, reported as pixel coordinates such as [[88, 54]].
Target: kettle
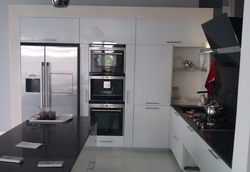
[[213, 109]]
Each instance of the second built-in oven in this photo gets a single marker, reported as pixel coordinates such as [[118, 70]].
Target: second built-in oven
[[109, 118], [106, 89]]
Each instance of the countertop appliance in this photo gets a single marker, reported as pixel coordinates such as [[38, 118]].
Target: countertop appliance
[[49, 75], [107, 59]]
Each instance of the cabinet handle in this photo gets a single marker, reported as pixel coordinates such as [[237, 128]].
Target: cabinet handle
[[152, 103], [86, 97], [190, 128], [127, 97], [214, 154], [151, 108], [91, 167], [176, 114], [173, 42], [176, 138], [106, 141]]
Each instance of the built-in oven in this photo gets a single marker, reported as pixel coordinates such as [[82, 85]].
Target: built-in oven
[[107, 59], [109, 118], [106, 89]]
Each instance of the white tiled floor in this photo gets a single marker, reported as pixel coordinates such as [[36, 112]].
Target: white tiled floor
[[135, 160]]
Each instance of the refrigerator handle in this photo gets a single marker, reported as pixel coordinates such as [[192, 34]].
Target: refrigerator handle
[[42, 84], [47, 85]]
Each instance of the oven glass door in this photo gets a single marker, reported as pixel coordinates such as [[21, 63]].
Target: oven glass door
[[109, 120], [107, 60], [106, 89]]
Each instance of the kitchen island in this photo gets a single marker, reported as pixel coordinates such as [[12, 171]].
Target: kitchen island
[[60, 142]]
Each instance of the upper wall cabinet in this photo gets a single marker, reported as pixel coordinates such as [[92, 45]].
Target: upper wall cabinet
[[53, 30], [174, 32], [107, 30]]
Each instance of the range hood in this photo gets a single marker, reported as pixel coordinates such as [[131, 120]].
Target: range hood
[[223, 34]]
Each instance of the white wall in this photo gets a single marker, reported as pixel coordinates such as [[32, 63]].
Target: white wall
[[241, 161]]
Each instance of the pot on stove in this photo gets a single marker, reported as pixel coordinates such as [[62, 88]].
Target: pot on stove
[[213, 109]]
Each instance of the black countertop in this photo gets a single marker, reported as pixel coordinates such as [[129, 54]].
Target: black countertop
[[221, 142], [61, 142]]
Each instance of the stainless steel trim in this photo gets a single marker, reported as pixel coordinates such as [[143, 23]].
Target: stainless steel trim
[[108, 53], [48, 84], [233, 49], [171, 42], [156, 103], [127, 97], [42, 83], [94, 110], [176, 114], [151, 108], [190, 128], [106, 141], [107, 77], [108, 48], [106, 105], [214, 154]]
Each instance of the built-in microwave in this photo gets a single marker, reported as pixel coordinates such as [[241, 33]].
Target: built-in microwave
[[106, 89], [107, 59]]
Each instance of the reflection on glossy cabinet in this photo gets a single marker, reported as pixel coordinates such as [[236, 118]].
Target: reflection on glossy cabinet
[[153, 74], [121, 31], [52, 30], [176, 32], [151, 126]]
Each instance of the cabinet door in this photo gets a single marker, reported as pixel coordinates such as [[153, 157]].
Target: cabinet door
[[177, 148], [177, 32], [151, 126], [84, 81], [153, 74], [129, 96], [52, 30], [107, 30]]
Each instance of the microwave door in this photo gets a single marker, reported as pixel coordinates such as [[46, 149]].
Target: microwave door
[[32, 58]]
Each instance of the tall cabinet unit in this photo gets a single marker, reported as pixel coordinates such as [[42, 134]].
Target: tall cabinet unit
[[153, 65]]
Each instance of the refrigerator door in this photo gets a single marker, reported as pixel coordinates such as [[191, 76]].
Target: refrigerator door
[[32, 58], [61, 88]]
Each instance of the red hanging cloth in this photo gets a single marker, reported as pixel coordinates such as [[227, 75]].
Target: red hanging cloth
[[211, 78]]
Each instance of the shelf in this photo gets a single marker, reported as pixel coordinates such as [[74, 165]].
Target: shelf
[[189, 69]]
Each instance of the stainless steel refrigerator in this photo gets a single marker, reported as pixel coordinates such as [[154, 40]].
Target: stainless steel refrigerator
[[49, 75]]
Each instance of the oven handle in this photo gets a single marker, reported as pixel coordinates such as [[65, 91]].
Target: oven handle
[[107, 53], [96, 110]]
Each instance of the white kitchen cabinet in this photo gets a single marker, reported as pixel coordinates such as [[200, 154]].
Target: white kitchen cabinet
[[121, 31], [153, 74], [110, 141], [49, 30], [177, 135], [84, 80], [151, 126], [129, 96], [176, 32]]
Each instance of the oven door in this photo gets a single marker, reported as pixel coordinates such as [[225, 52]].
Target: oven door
[[105, 89], [105, 59], [109, 118]]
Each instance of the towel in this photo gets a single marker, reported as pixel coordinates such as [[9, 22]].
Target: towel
[[211, 78]]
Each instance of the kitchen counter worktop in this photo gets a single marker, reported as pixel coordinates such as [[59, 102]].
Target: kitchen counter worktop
[[60, 142], [221, 142]]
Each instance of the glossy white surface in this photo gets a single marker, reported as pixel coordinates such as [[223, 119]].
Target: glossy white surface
[[52, 30], [135, 160], [153, 74], [120, 31], [151, 126], [176, 32]]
